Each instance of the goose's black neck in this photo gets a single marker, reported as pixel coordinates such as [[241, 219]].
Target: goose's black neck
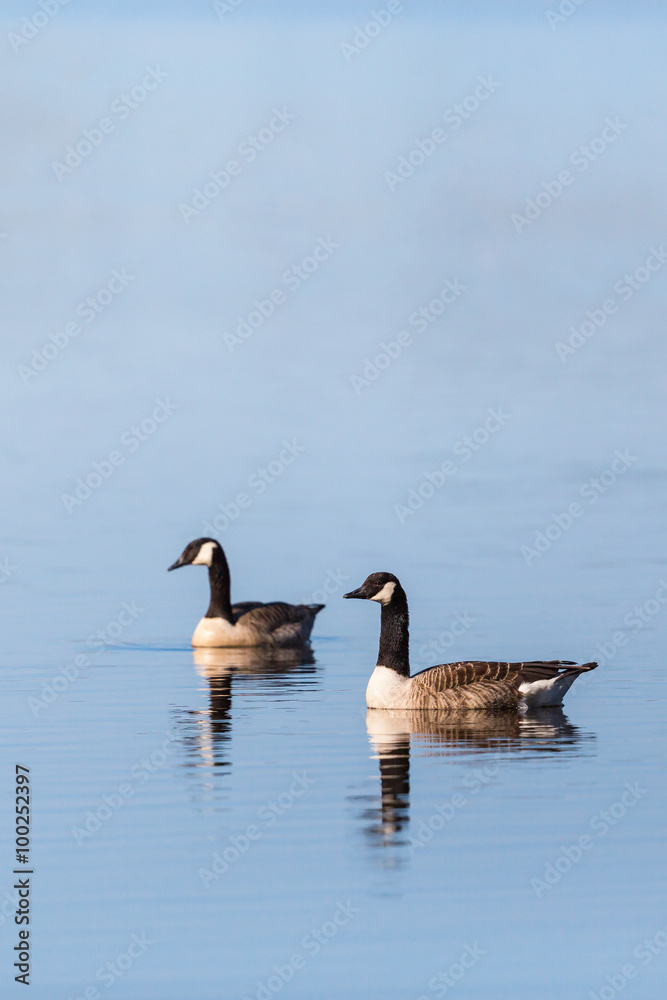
[[218, 577], [394, 651]]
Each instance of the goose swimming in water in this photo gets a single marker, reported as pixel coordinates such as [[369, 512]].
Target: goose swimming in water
[[250, 623], [472, 684]]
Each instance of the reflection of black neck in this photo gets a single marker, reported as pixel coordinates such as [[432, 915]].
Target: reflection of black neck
[[220, 693], [218, 577], [395, 779], [394, 649]]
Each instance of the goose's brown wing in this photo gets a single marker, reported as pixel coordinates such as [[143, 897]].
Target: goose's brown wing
[[448, 676], [477, 684], [241, 609], [278, 622], [471, 684]]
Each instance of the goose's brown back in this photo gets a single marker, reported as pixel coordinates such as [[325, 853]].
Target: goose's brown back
[[480, 684], [277, 622]]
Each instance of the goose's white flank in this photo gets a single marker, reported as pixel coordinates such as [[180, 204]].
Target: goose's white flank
[[251, 623], [471, 684]]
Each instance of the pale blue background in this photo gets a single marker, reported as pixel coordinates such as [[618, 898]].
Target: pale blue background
[[333, 510]]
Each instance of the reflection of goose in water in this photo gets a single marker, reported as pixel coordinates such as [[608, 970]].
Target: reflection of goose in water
[[454, 734], [206, 732]]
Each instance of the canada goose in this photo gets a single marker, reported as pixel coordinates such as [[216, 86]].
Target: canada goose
[[250, 623], [473, 684]]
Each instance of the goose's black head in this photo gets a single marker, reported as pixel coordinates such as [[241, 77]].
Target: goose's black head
[[201, 552], [208, 552], [385, 588], [380, 587]]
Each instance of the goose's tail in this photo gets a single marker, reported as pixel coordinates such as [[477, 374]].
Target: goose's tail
[[580, 668], [543, 684]]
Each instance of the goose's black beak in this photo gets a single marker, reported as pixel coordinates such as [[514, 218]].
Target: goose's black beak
[[359, 592], [179, 562]]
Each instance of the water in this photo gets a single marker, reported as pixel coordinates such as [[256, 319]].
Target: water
[[249, 806]]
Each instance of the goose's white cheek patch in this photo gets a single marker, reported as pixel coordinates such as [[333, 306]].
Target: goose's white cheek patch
[[205, 555], [385, 595]]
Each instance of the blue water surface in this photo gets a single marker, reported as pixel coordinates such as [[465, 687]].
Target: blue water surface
[[350, 301]]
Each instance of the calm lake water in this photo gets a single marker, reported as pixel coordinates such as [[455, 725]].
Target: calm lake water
[[254, 365]]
